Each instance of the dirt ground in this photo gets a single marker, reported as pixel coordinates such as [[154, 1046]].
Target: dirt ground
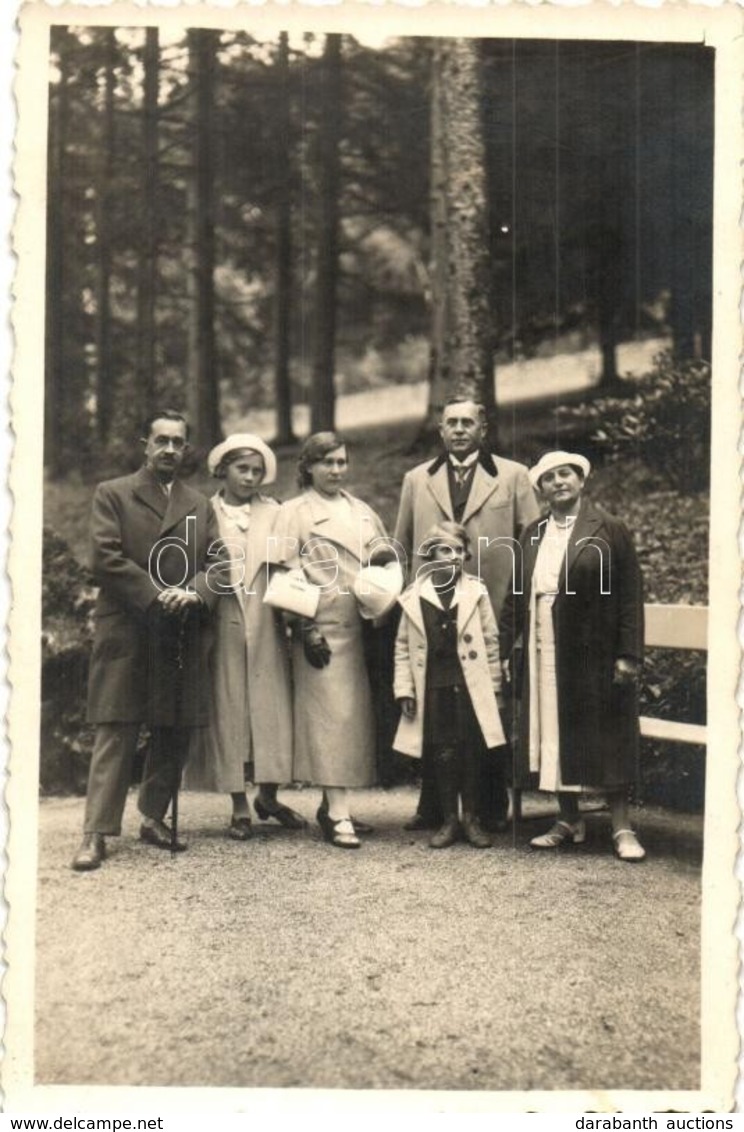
[[286, 962]]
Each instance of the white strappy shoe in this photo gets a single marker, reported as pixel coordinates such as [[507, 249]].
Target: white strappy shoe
[[627, 846], [562, 832]]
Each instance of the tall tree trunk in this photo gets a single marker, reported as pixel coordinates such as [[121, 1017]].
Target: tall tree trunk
[[610, 183], [148, 247], [322, 407], [462, 341], [104, 368], [203, 388], [439, 360], [54, 397], [282, 386]]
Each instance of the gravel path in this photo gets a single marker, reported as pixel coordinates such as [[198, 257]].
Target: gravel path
[[286, 962]]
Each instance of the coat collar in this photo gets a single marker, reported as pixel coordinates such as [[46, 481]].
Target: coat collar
[[170, 508], [257, 546], [588, 521], [352, 537], [469, 594], [485, 482], [485, 459]]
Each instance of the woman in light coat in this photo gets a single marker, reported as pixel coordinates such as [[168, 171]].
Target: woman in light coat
[[330, 535], [448, 680], [251, 703], [579, 613]]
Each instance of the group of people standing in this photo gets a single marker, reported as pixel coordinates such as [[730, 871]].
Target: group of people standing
[[505, 596]]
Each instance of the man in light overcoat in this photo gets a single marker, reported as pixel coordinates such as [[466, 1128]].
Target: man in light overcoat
[[494, 501], [150, 535]]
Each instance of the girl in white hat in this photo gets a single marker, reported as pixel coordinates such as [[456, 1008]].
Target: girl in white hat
[[251, 702], [448, 680]]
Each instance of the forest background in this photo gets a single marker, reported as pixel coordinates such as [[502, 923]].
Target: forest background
[[239, 227]]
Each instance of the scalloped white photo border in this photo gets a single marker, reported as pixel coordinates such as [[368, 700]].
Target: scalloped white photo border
[[719, 25]]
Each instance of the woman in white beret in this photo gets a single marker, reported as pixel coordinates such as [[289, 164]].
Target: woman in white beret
[[579, 614], [251, 701]]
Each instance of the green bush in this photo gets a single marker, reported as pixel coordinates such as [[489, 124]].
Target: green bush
[[664, 421], [68, 597]]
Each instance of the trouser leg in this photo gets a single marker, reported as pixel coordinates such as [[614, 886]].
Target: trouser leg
[[110, 776], [493, 799], [447, 775], [429, 807], [164, 762], [472, 778], [473, 758]]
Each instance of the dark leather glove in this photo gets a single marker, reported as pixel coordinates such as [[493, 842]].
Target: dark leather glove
[[315, 646]]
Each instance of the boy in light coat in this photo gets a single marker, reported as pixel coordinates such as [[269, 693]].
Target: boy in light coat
[[448, 680]]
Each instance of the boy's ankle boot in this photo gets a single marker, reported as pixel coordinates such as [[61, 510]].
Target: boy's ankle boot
[[475, 835], [447, 835], [472, 780]]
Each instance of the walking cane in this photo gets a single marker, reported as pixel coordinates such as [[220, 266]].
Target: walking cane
[[516, 798], [178, 697]]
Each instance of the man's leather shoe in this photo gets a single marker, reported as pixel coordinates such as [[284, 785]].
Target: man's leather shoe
[[90, 854], [421, 821], [157, 833], [474, 834]]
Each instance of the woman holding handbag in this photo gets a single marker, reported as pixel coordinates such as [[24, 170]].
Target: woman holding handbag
[[251, 701], [331, 535]]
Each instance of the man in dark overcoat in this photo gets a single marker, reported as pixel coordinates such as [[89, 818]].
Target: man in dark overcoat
[[494, 501], [150, 535]]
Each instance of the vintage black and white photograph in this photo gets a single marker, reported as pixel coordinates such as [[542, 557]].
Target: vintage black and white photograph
[[375, 629]]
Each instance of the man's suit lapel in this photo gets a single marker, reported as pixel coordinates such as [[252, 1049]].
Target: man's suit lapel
[[148, 491], [481, 489], [180, 504], [438, 486]]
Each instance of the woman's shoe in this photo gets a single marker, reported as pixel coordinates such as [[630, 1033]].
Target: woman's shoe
[[627, 846], [290, 819], [240, 829], [359, 825], [339, 833], [560, 833]]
